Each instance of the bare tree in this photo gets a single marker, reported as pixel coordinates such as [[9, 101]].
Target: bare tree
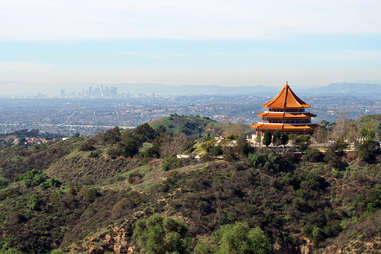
[[342, 125], [172, 145]]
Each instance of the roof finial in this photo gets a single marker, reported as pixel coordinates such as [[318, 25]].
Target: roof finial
[[286, 83]]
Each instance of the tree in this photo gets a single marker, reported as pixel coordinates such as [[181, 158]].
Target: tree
[[112, 136], [258, 137], [284, 139], [267, 138], [321, 135], [144, 133], [242, 146], [277, 138], [161, 235], [129, 146], [369, 128], [234, 130], [334, 154], [301, 141], [341, 128], [172, 145], [313, 155], [368, 151], [239, 238]]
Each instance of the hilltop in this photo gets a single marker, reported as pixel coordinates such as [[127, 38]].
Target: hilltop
[[188, 125], [112, 192]]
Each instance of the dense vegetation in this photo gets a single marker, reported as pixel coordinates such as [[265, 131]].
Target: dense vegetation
[[125, 190]]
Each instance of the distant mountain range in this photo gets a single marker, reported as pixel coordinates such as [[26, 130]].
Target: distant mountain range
[[345, 89]]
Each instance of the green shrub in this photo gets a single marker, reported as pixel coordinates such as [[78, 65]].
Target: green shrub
[[50, 183], [120, 208], [301, 142], [10, 251], [34, 177], [204, 247], [94, 154], [215, 150], [86, 146], [313, 155], [135, 177], [171, 163], [161, 235], [152, 152], [239, 238], [89, 194], [268, 161], [33, 202], [165, 166], [3, 182], [317, 235], [57, 251], [229, 153]]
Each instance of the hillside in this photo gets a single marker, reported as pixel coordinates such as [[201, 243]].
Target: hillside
[[188, 125], [125, 191]]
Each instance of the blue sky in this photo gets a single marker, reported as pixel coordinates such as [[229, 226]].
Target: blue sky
[[309, 43]]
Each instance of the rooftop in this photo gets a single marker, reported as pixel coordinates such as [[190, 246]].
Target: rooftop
[[286, 99]]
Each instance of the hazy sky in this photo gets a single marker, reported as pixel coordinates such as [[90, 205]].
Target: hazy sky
[[229, 42]]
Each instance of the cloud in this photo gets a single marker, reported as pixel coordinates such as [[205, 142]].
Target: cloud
[[180, 19]]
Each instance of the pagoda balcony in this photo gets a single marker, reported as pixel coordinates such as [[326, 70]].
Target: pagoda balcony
[[288, 110], [268, 123]]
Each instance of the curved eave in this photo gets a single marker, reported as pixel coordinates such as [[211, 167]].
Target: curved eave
[[285, 115], [285, 127], [286, 107]]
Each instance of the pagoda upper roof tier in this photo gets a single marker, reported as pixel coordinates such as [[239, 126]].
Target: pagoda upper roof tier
[[284, 127], [286, 99], [279, 115]]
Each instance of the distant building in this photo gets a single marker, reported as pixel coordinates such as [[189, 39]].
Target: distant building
[[286, 113]]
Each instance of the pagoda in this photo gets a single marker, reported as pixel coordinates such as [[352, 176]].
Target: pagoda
[[286, 113]]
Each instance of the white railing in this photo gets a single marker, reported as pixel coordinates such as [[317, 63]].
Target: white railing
[[287, 123]]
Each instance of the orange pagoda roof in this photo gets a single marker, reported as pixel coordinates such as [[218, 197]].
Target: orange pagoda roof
[[286, 99], [284, 127], [285, 115]]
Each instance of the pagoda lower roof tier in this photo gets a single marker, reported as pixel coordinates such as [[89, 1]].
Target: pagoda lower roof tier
[[285, 115], [284, 127]]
